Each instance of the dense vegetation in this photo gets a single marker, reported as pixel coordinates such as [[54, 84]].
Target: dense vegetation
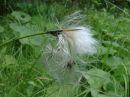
[[107, 73]]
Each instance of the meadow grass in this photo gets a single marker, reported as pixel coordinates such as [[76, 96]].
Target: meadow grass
[[106, 73]]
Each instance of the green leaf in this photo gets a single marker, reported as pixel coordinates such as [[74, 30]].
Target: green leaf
[[61, 91], [96, 93], [9, 60], [97, 78], [21, 16], [114, 61], [28, 29], [1, 29], [105, 50], [101, 84]]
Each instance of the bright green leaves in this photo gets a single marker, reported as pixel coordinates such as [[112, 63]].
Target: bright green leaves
[[21, 16], [97, 78], [61, 91], [113, 34], [21, 30], [102, 84], [28, 29], [19, 68], [23, 25]]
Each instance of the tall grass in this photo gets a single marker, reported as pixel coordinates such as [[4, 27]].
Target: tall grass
[[106, 74]]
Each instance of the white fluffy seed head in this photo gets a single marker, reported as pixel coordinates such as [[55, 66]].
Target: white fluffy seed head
[[79, 41]]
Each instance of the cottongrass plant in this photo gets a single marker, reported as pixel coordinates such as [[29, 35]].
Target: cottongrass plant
[[73, 39]]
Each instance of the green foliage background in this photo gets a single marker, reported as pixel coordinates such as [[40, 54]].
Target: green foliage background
[[107, 74]]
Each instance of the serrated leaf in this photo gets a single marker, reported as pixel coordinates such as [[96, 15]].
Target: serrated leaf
[[101, 84], [97, 78]]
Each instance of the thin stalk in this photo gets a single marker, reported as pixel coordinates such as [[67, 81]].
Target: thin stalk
[[17, 38]]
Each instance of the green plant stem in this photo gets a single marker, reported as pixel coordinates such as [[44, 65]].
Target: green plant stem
[[17, 38]]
